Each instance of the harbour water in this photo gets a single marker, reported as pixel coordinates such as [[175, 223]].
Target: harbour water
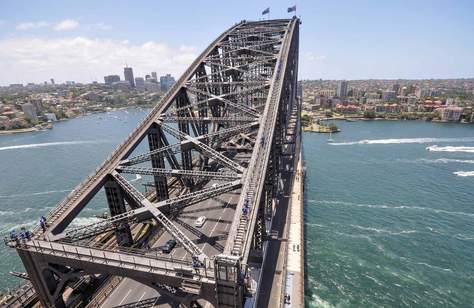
[[389, 215], [39, 169], [388, 222]]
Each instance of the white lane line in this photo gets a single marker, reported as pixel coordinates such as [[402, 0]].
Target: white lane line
[[184, 257], [126, 295], [140, 298]]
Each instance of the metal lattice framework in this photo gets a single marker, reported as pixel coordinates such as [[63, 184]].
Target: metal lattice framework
[[237, 95]]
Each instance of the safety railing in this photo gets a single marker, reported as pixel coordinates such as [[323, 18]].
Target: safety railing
[[123, 258]]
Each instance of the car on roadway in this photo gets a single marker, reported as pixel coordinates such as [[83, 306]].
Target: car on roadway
[[200, 221], [168, 246]]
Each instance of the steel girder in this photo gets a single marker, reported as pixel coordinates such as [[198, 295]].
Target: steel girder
[[240, 72]]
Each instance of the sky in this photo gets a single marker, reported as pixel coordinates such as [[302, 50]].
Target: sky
[[364, 39]]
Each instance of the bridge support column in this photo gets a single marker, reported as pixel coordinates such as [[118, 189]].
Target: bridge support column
[[158, 161], [116, 202], [229, 281], [47, 285], [186, 155]]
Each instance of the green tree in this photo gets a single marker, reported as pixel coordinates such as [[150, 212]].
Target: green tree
[[369, 114], [305, 120]]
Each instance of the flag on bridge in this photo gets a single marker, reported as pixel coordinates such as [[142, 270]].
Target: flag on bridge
[[292, 9], [266, 11]]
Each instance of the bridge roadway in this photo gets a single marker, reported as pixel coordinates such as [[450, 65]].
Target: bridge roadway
[[210, 238]]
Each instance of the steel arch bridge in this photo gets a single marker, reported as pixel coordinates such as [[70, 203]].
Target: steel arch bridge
[[222, 129]]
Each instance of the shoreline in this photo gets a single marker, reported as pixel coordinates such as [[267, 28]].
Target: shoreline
[[34, 129], [18, 131], [355, 119]]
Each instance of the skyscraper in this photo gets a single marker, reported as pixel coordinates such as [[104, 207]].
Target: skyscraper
[[154, 76], [166, 82], [342, 88], [128, 74]]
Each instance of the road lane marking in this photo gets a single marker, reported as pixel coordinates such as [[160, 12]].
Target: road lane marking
[[126, 295], [140, 298]]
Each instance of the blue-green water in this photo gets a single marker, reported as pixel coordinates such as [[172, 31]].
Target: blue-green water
[[39, 169], [390, 223], [387, 222]]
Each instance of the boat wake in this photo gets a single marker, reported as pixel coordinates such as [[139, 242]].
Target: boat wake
[[436, 148], [35, 193], [48, 144], [448, 160], [390, 207], [464, 173], [404, 140]]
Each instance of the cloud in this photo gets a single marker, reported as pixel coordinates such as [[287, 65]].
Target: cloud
[[313, 57], [102, 26], [67, 24], [85, 59], [23, 26]]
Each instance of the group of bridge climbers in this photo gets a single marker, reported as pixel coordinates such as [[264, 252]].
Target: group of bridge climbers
[[246, 208], [22, 237], [24, 234]]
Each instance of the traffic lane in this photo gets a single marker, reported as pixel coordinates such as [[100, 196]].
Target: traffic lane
[[213, 209], [214, 235], [129, 292]]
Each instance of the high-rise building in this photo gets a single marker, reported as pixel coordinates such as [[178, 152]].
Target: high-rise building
[[342, 88], [154, 76], [166, 82], [140, 83], [128, 74], [52, 81], [110, 79]]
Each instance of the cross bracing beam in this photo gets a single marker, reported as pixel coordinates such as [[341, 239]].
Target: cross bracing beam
[[211, 99], [243, 108], [232, 119], [186, 200], [158, 215], [203, 147], [137, 215], [176, 148], [229, 176], [173, 148], [99, 227], [229, 83]]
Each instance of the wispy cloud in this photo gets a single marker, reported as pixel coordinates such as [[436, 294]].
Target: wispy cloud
[[67, 24], [23, 26], [102, 26], [314, 57], [84, 59]]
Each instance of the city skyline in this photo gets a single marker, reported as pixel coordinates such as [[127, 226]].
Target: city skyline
[[342, 40]]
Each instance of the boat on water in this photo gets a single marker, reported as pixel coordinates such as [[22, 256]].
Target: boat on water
[[330, 137], [365, 141]]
